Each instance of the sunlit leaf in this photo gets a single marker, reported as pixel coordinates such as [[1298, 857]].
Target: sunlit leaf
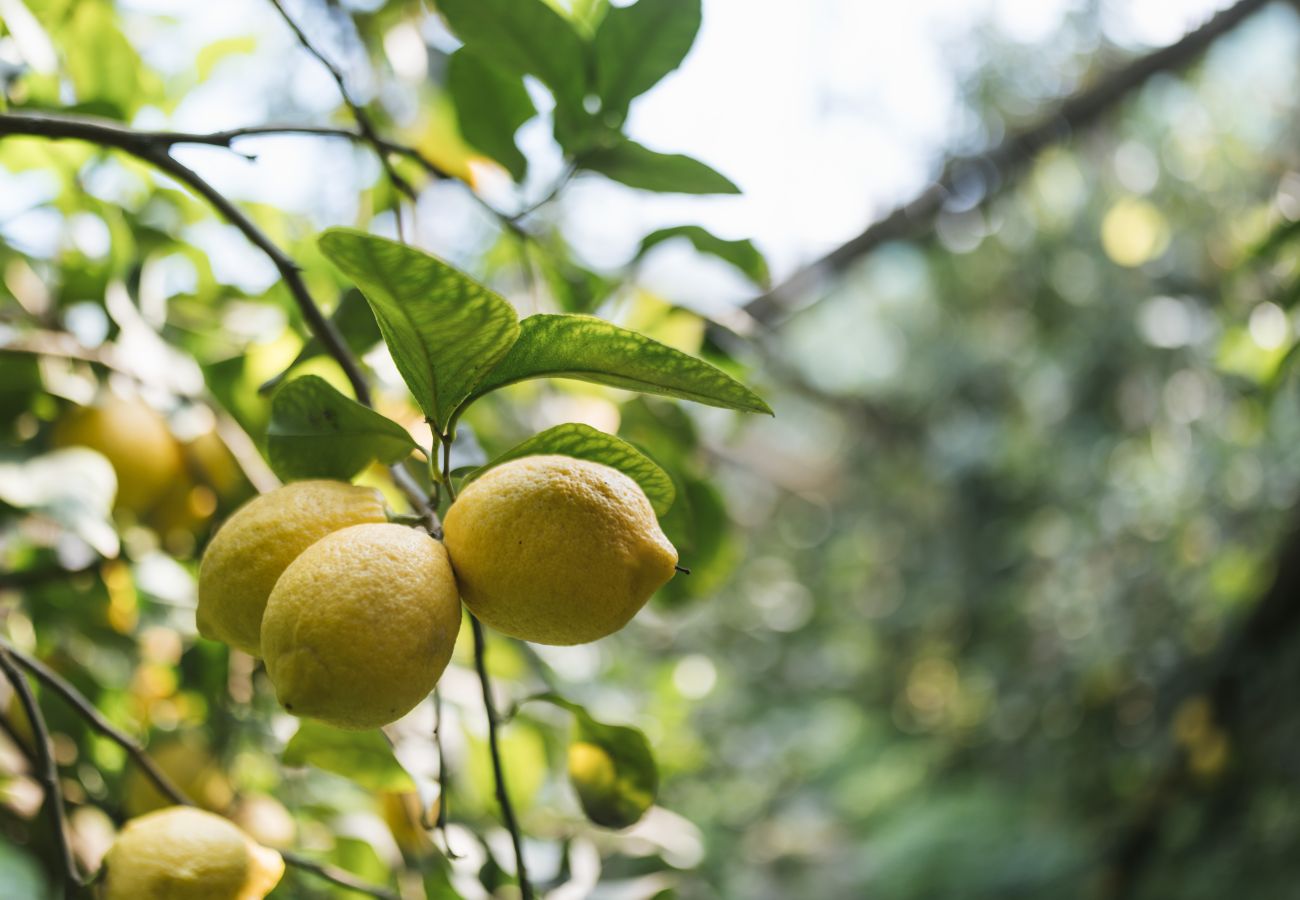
[[363, 756], [636, 46], [584, 442], [740, 253], [591, 349], [103, 66], [444, 329], [670, 173], [491, 104], [316, 432], [527, 37], [74, 487]]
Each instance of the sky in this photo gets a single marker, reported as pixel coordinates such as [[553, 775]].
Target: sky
[[824, 112]]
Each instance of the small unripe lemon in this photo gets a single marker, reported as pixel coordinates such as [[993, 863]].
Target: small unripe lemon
[[361, 625], [135, 439], [556, 550], [181, 853], [259, 541]]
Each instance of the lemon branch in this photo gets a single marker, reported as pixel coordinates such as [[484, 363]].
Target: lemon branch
[[47, 770], [11, 658]]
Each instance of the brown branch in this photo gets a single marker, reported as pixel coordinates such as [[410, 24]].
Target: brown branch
[[96, 720], [503, 794], [47, 770], [1000, 163]]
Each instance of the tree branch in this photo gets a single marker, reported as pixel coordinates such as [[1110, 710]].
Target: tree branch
[[51, 679], [47, 770], [503, 794], [1000, 163]]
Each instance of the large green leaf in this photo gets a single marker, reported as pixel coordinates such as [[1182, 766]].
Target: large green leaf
[[635, 46], [445, 330], [584, 442], [629, 163], [591, 349], [491, 104], [527, 37], [363, 756], [316, 432], [741, 253]]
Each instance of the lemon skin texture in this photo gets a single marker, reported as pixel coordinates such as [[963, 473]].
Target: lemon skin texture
[[556, 550], [361, 625], [135, 439], [181, 853], [257, 543]]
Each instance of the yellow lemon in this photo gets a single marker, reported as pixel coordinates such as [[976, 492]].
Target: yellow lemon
[[556, 550], [361, 625], [181, 853], [259, 541], [135, 439]]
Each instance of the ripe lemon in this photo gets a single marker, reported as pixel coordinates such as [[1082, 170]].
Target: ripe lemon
[[360, 626], [135, 439], [180, 853], [556, 550], [259, 541]]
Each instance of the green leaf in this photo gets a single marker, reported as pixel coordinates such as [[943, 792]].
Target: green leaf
[[610, 766], [363, 756], [584, 442], [591, 349], [669, 173], [636, 46], [742, 254], [75, 487], [103, 66], [354, 321], [316, 432], [445, 330], [526, 37], [491, 104], [702, 532], [210, 56]]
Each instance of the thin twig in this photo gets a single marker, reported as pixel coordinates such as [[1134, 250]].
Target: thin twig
[[359, 114], [47, 770], [996, 166], [503, 794], [141, 758]]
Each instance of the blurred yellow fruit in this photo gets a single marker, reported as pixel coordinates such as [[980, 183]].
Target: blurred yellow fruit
[[361, 625], [259, 541], [189, 763], [405, 819], [135, 439], [181, 853], [556, 550]]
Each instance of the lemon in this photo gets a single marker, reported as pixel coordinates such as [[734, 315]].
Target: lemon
[[181, 853], [556, 550], [255, 545], [134, 439], [361, 625]]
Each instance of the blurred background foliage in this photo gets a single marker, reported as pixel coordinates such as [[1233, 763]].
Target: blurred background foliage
[[998, 604]]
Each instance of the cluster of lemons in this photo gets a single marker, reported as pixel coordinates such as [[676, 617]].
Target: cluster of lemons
[[356, 616]]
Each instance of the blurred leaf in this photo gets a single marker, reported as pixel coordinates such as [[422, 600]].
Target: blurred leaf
[[610, 766], [207, 59], [445, 330], [584, 442], [360, 858], [74, 487], [636, 46], [437, 878], [355, 322], [103, 66], [316, 432], [702, 532], [670, 173], [21, 875], [363, 756], [491, 104], [526, 37], [591, 349], [742, 253]]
